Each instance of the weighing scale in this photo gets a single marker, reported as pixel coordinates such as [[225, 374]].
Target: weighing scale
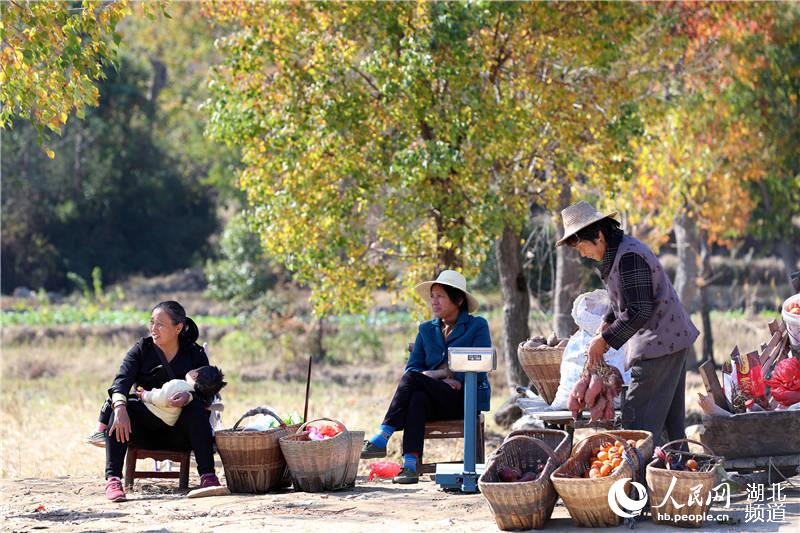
[[464, 477]]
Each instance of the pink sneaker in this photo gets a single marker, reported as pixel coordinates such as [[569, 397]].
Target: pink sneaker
[[114, 490], [209, 480]]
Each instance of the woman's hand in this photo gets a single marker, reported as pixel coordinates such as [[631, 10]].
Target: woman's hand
[[454, 383], [439, 373], [121, 425], [179, 399], [597, 348]]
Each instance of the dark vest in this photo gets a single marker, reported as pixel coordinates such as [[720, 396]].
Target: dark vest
[[669, 328]]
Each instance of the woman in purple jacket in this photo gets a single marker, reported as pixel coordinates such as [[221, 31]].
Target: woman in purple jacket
[[645, 314]]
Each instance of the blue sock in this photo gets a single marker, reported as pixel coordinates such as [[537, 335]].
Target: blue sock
[[381, 438], [410, 461]]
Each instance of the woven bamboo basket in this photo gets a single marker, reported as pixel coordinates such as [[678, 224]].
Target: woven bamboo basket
[[643, 454], [587, 499], [317, 466], [543, 368], [694, 504], [520, 505], [253, 460], [559, 441]]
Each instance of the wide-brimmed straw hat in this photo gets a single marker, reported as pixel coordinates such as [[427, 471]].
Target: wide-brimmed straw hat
[[578, 216], [452, 279]]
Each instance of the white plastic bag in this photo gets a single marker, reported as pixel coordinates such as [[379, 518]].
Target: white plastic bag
[[588, 311]]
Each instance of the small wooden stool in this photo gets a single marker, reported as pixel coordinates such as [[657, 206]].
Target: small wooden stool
[[453, 429], [158, 455]]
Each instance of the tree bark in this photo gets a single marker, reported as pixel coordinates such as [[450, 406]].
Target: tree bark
[[567, 286], [516, 303], [317, 348], [786, 251], [686, 274], [705, 307]]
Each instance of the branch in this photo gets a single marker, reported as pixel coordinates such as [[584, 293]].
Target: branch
[[379, 95]]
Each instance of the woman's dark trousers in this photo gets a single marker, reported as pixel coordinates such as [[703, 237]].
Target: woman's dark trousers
[[191, 431], [418, 399]]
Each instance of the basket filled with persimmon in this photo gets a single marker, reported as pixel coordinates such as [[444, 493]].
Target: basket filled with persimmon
[[584, 481]]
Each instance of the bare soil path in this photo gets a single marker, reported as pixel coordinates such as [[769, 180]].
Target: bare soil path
[[72, 504]]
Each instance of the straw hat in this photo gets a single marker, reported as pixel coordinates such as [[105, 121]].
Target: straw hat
[[578, 216], [452, 279]]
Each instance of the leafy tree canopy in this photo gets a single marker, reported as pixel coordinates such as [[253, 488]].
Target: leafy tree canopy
[[383, 142]]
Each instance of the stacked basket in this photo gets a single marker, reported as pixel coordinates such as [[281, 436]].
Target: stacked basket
[[253, 460], [520, 504], [542, 364], [587, 499], [320, 465]]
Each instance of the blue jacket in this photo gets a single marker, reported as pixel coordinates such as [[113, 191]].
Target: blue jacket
[[430, 348]]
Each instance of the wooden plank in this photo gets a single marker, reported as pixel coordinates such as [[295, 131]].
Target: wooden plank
[[710, 380], [776, 355], [768, 349], [773, 326], [752, 463]]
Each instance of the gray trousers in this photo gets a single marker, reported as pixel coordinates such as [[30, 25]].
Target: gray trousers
[[656, 397]]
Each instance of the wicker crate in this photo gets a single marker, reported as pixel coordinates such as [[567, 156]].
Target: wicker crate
[[659, 481], [543, 368], [587, 499], [520, 505], [253, 460], [317, 466]]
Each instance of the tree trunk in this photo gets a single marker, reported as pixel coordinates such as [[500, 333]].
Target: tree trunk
[[705, 307], [317, 348], [158, 80], [516, 303], [567, 286], [786, 251], [686, 274]]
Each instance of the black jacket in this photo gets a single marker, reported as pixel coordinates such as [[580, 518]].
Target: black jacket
[[143, 367]]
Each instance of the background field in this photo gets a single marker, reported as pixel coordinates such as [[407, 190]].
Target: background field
[[54, 378]]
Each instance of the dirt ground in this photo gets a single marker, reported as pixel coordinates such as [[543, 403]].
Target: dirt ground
[[72, 504]]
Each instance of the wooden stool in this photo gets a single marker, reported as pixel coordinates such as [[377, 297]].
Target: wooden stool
[[453, 429], [158, 455]]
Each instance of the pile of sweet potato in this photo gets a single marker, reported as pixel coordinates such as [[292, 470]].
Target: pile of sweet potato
[[595, 390]]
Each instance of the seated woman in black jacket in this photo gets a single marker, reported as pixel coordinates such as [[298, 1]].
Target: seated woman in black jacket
[[172, 346]]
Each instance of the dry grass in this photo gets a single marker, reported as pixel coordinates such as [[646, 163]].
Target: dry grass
[[51, 393]]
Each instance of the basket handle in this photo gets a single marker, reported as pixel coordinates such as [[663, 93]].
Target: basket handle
[[665, 446], [540, 443], [261, 410], [303, 427]]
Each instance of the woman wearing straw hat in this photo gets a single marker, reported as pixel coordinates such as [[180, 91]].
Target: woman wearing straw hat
[[645, 313], [428, 390]]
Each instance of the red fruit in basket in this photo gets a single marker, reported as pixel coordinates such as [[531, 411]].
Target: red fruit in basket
[[691, 464], [661, 454], [509, 474], [529, 476]]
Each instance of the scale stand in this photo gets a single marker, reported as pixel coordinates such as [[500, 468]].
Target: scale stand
[[470, 361]]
